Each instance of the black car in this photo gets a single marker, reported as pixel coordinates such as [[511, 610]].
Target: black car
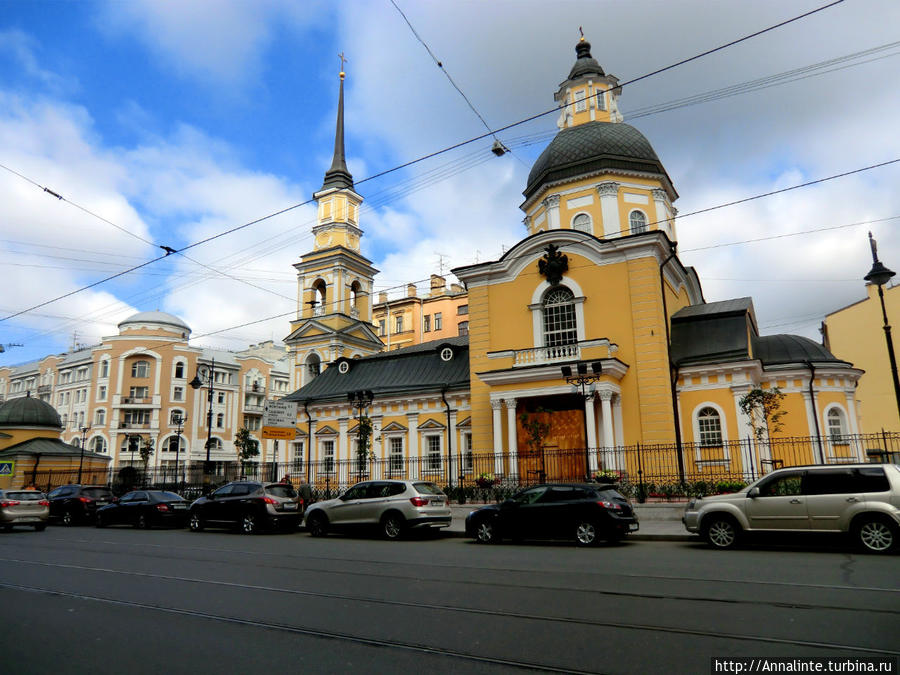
[[587, 513], [73, 504], [248, 505], [144, 509]]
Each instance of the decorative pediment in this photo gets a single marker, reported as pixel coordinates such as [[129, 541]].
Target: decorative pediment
[[464, 424], [393, 426], [326, 431], [430, 425]]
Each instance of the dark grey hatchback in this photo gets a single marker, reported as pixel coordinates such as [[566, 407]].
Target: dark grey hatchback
[[587, 513]]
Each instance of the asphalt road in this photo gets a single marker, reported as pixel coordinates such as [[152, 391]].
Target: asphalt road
[[83, 600]]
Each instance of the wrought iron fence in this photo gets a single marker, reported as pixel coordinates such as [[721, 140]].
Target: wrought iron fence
[[641, 470]]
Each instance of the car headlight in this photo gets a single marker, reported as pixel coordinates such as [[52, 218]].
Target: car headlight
[[691, 504]]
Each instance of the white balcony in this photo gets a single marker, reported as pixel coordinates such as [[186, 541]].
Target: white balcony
[[543, 355]]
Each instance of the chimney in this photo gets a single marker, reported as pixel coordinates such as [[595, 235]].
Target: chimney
[[437, 284], [455, 289], [382, 297], [410, 290]]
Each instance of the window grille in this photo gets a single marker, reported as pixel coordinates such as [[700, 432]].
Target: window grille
[[559, 317], [638, 222], [710, 427]]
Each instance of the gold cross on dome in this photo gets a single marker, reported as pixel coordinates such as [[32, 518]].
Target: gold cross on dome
[[581, 31], [343, 61]]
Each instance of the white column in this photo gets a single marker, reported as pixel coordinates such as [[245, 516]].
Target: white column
[[619, 435], [854, 427], [661, 201], [606, 411], [591, 423], [377, 447], [341, 452], [609, 209], [498, 436], [744, 432], [454, 448], [551, 205], [512, 442], [412, 439]]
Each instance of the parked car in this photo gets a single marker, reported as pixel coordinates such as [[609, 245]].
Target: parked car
[[586, 513], [862, 500], [73, 504], [249, 505], [393, 507], [24, 507], [144, 509]]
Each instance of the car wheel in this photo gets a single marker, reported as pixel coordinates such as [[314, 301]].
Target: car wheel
[[196, 522], [586, 533], [68, 518], [721, 531], [101, 521], [142, 523], [486, 532], [249, 524], [40, 527], [317, 525], [392, 526], [875, 534]]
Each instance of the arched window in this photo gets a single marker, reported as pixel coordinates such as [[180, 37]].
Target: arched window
[[355, 289], [104, 368], [837, 425], [582, 222], [560, 327], [709, 426], [319, 297], [174, 444], [313, 365], [98, 444], [179, 370], [140, 369], [637, 221], [215, 444], [76, 442]]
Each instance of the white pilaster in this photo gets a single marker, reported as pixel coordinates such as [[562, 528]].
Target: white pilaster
[[609, 209], [342, 451], [512, 443], [498, 436], [551, 204], [412, 421], [661, 201], [591, 423]]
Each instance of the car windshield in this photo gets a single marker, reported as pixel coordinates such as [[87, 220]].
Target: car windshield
[[427, 489], [96, 492], [610, 495], [284, 491], [26, 496], [168, 497]]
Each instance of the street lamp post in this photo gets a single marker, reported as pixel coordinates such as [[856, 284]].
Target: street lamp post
[[196, 383], [581, 378], [880, 275], [179, 420], [84, 431], [360, 400]]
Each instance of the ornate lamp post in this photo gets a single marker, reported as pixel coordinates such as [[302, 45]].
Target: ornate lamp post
[[196, 383], [179, 420], [84, 431], [360, 400], [880, 275], [581, 378]]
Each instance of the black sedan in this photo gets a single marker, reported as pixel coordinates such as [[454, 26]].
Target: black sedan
[[144, 509], [586, 513]]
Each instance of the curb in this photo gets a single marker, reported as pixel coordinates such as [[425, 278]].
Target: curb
[[458, 534]]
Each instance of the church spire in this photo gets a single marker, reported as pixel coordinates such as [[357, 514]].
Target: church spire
[[338, 176]]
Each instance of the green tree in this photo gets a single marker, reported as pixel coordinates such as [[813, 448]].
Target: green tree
[[763, 407], [247, 447], [363, 441], [145, 450]]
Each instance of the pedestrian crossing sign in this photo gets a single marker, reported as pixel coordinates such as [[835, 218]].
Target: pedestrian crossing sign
[[7, 468]]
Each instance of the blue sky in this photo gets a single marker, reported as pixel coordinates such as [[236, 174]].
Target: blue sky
[[179, 120]]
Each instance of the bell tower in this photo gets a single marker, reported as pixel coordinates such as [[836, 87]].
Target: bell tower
[[334, 280]]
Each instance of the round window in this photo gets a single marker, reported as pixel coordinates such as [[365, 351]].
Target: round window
[[343, 367], [446, 354]]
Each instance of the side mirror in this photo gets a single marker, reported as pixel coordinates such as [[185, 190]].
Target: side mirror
[[753, 492]]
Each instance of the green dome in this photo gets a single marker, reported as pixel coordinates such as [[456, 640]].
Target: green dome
[[28, 412]]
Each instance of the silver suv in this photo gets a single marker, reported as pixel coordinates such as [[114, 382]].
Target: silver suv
[[393, 506], [860, 499]]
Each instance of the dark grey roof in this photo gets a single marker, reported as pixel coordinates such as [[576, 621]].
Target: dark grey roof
[[48, 447], [779, 349], [28, 412], [592, 147], [411, 370], [338, 176], [585, 64], [733, 306]]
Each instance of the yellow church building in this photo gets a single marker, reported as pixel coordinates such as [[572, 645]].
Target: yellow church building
[[588, 346]]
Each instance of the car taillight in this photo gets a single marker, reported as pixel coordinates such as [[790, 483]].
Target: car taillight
[[418, 501], [44, 502], [610, 505], [162, 507], [86, 500], [9, 502], [270, 500]]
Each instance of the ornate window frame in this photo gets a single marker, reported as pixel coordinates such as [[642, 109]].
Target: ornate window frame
[[723, 429]]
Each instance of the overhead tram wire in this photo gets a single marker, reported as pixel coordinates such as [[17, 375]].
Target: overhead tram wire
[[420, 159]]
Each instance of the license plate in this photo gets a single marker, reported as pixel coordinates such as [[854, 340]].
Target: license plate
[[632, 527], [27, 520], [290, 507], [438, 502], [179, 506]]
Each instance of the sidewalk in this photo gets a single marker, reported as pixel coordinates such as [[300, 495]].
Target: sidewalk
[[659, 522]]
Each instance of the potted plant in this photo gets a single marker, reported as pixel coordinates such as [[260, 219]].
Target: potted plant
[[607, 476], [485, 480]]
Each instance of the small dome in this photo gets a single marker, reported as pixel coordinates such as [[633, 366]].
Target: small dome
[[585, 64], [161, 318], [775, 349], [28, 412], [593, 147]]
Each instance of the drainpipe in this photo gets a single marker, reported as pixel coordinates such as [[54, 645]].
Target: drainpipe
[[673, 371], [812, 398], [308, 439], [449, 439]]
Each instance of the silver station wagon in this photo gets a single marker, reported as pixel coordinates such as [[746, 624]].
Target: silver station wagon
[[392, 506], [862, 500]]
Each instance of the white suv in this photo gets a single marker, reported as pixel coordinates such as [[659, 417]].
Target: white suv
[[393, 506], [860, 499]]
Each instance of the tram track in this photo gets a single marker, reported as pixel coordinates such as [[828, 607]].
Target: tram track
[[419, 604]]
